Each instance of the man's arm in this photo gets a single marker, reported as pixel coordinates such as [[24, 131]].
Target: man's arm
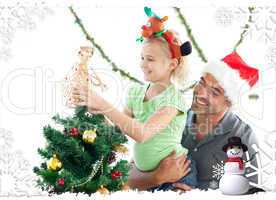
[[142, 180], [170, 170]]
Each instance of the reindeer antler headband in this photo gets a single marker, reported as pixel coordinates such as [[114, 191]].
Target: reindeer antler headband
[[156, 28]]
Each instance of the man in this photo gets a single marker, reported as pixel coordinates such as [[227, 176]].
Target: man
[[210, 122]]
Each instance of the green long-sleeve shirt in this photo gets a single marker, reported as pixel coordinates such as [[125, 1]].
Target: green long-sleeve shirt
[[148, 154]]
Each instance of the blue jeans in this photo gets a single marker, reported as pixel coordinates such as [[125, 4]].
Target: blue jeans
[[190, 179]]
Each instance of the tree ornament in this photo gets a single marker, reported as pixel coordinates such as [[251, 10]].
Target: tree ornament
[[103, 190], [81, 76], [89, 136], [111, 157], [61, 182], [121, 148], [74, 132], [54, 163], [125, 187], [116, 174]]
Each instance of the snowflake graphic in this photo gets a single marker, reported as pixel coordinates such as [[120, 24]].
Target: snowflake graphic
[[18, 16], [271, 55], [263, 26], [224, 16], [214, 184], [5, 53], [252, 170], [218, 170], [5, 139], [16, 176], [266, 170]]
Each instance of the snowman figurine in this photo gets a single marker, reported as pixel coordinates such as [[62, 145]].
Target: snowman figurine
[[234, 182]]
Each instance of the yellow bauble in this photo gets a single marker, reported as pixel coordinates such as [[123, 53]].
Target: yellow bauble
[[121, 148], [89, 136], [103, 190], [54, 163], [125, 187]]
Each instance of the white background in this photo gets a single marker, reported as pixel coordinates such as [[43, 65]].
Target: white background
[[31, 91]]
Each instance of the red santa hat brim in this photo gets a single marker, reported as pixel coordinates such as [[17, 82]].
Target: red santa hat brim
[[227, 78], [233, 74]]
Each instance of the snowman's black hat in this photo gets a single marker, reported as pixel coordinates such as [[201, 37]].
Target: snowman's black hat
[[234, 141]]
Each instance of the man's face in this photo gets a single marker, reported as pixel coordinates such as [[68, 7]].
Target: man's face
[[209, 97]]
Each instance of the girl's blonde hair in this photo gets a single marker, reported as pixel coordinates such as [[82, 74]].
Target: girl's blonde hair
[[179, 75]]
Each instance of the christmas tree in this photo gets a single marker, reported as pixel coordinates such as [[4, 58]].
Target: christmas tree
[[82, 156]]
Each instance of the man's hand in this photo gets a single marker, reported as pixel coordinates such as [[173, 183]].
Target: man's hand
[[172, 168]]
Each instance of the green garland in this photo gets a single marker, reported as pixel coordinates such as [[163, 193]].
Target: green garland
[[115, 68], [183, 20], [246, 27], [190, 35]]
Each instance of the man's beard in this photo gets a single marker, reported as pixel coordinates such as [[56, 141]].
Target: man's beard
[[199, 110]]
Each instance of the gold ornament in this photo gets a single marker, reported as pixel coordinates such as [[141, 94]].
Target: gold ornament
[[103, 190], [125, 187], [121, 148], [54, 163], [89, 136]]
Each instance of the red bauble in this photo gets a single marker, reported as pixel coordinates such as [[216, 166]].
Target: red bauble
[[111, 157], [74, 132], [61, 182], [116, 174]]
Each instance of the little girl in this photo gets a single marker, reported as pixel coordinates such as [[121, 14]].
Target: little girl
[[155, 113]]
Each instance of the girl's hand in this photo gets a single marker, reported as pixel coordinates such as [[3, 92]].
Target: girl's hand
[[82, 95]]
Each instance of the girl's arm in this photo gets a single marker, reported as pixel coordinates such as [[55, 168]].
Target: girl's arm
[[140, 132], [128, 112]]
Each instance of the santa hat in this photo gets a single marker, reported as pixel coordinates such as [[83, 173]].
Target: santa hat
[[232, 73]]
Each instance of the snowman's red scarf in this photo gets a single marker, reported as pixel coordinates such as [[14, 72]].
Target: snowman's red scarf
[[238, 159]]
